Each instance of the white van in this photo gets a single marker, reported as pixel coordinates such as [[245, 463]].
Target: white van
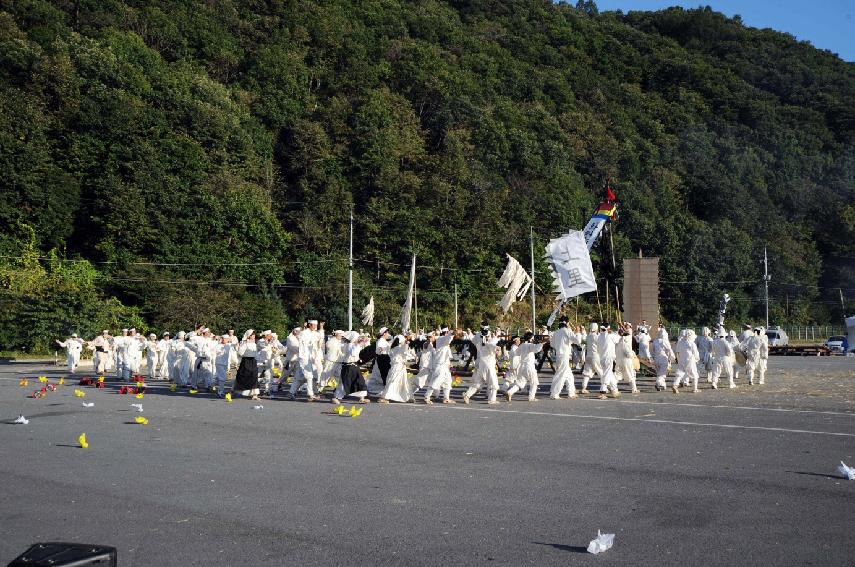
[[777, 336]]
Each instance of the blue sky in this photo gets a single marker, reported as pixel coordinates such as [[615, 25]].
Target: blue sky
[[827, 24]]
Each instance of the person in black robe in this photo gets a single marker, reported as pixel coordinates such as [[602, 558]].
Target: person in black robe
[[246, 379]]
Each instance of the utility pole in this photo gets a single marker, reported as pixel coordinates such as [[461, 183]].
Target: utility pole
[[766, 279], [456, 326], [350, 278], [533, 312]]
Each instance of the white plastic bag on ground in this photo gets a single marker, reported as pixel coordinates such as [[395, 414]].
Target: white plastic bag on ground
[[602, 543], [138, 407], [88, 404], [847, 472], [258, 407], [21, 420]]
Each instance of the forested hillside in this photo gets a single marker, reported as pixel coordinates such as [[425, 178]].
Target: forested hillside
[[165, 162]]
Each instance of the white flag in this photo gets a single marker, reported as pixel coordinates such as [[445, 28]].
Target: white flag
[[368, 313], [516, 280], [571, 265], [407, 308]]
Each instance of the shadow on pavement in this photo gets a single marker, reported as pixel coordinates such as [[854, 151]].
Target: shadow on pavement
[[562, 547]]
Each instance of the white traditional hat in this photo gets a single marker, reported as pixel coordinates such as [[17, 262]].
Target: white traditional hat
[[351, 336], [152, 336], [338, 332], [248, 333], [267, 332], [181, 334], [312, 321], [124, 330], [105, 331], [382, 330], [444, 330], [73, 335]]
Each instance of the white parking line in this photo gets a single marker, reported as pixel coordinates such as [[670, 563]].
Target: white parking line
[[665, 421], [753, 408]]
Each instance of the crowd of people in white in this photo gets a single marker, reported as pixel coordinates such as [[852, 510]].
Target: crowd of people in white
[[263, 365]]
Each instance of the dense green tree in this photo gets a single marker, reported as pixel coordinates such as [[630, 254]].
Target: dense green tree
[[175, 162]]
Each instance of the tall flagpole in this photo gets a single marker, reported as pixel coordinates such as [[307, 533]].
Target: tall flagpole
[[350, 278], [533, 311], [766, 279], [456, 326]]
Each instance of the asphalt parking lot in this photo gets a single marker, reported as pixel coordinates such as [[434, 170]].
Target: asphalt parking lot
[[722, 477]]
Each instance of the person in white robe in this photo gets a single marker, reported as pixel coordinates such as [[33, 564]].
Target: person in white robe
[[643, 340], [592, 365], [399, 386], [352, 384], [306, 362], [73, 346], [606, 343], [151, 357], [440, 376], [122, 345], [135, 347], [704, 344], [527, 370], [225, 357], [425, 360], [687, 360], [752, 346], [625, 357], [722, 355], [264, 359], [763, 362], [562, 342], [163, 346], [292, 353], [246, 378], [102, 351], [332, 360], [382, 362], [486, 372], [181, 354], [663, 356]]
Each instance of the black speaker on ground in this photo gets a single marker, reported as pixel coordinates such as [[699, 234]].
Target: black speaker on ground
[[53, 554]]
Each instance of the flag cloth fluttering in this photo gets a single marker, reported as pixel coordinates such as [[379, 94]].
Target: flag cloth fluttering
[[517, 282], [570, 261], [368, 313]]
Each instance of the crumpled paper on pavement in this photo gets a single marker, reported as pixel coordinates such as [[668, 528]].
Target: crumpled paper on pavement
[[602, 543]]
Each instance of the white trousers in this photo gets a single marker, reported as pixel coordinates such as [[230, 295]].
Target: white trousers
[[204, 375], [151, 363], [751, 366], [100, 362], [609, 381], [563, 377], [722, 367], [685, 373], [73, 359], [485, 374], [305, 374], [440, 380], [221, 374], [662, 364], [123, 368], [526, 376]]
